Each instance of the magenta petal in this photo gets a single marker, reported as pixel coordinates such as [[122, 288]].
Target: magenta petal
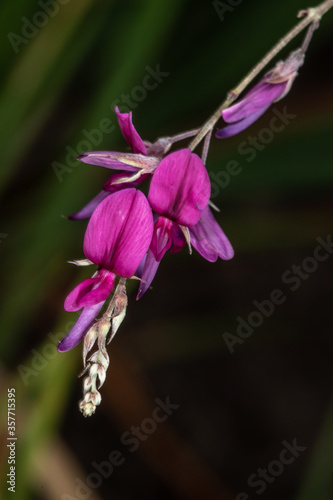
[[245, 112], [180, 187], [178, 239], [162, 239], [91, 291], [235, 128], [209, 240], [148, 273], [88, 209], [119, 232], [130, 134], [261, 96], [81, 327], [128, 162]]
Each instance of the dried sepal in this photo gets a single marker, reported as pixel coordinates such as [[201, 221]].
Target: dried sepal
[[82, 262], [89, 341], [120, 302], [186, 233]]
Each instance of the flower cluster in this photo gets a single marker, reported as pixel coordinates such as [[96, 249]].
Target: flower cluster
[[128, 233]]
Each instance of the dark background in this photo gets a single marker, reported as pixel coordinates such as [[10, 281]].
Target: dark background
[[237, 410]]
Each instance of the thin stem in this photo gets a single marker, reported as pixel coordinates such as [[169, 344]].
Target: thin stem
[[184, 135], [313, 15], [309, 35], [206, 146]]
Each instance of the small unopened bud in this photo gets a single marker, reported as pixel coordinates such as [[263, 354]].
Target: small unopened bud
[[88, 404], [103, 327], [116, 322], [120, 306], [88, 383], [87, 409], [89, 341], [93, 369], [96, 366], [101, 378]]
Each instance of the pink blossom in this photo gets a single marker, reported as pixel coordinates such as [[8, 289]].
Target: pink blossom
[[117, 238], [273, 87], [179, 193]]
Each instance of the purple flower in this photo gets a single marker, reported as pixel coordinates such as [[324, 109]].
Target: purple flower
[[209, 240], [273, 87], [127, 162], [117, 238], [179, 193], [136, 167]]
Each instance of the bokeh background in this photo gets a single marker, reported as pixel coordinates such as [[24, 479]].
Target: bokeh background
[[233, 412]]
